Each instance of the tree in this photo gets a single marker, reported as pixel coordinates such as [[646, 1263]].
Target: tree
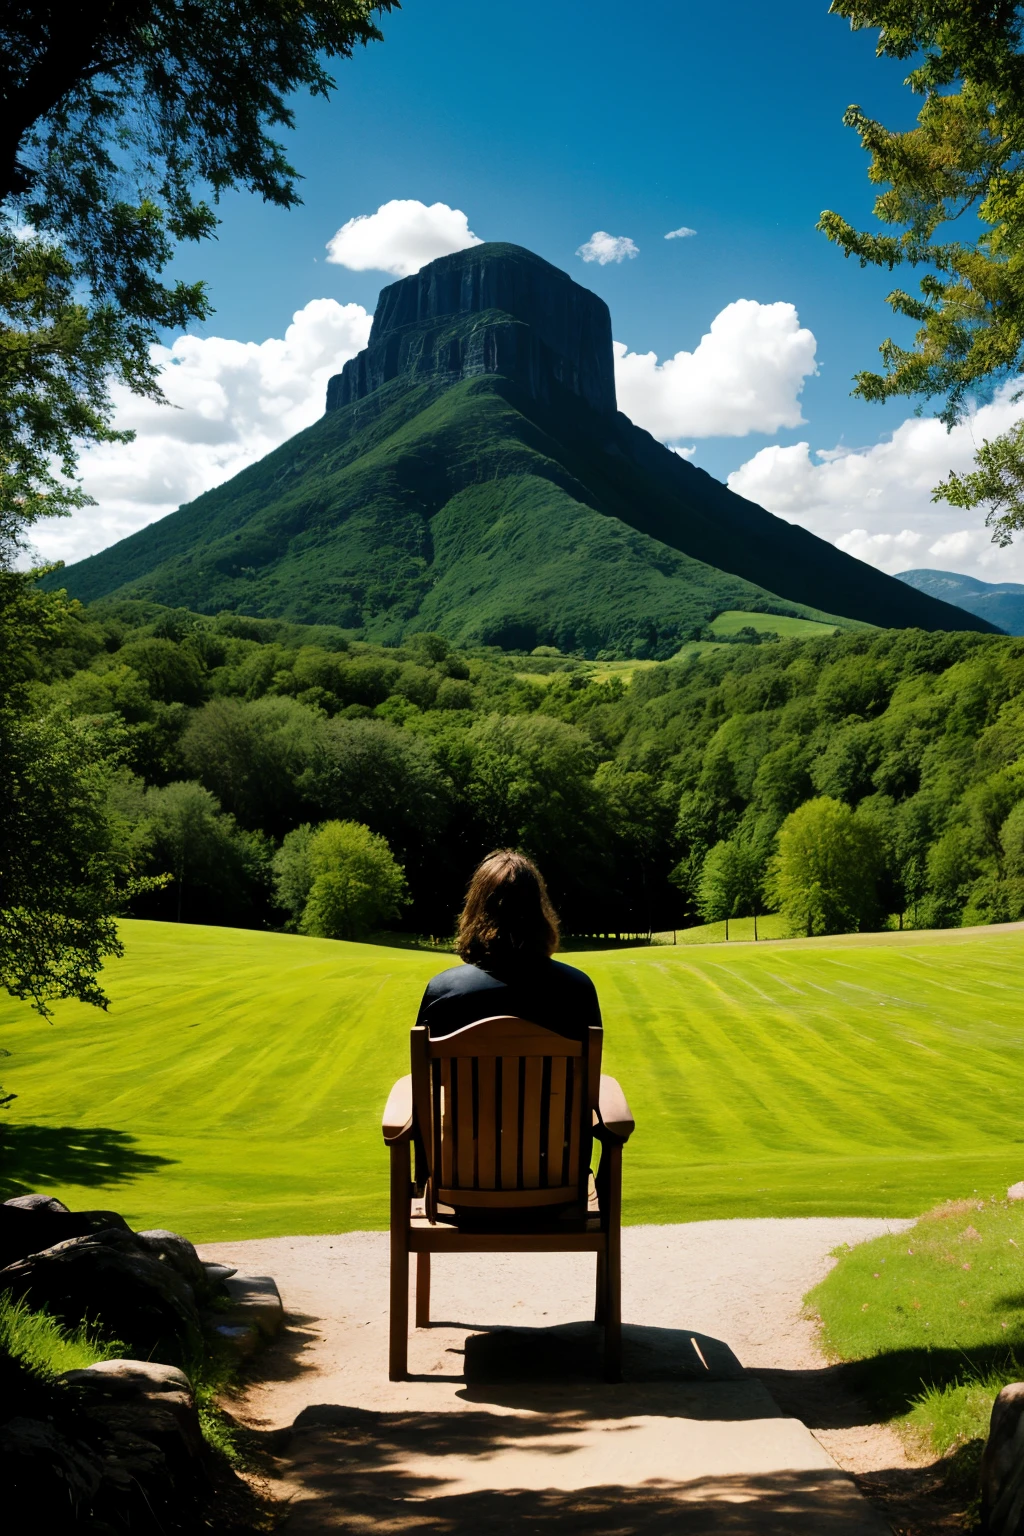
[[293, 874], [964, 157], [356, 884], [114, 114], [66, 865], [252, 756], [997, 482], [531, 786], [730, 884], [205, 853], [373, 772], [823, 873], [1012, 839]]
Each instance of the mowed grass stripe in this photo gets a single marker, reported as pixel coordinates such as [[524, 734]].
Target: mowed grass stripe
[[235, 1087], [789, 1050]]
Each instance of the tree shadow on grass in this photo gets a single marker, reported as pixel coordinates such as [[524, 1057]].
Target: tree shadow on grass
[[34, 1156]]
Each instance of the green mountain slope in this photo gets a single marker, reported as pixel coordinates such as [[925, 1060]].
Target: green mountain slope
[[436, 513], [471, 476]]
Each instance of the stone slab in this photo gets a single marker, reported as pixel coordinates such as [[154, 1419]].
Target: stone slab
[[255, 1300]]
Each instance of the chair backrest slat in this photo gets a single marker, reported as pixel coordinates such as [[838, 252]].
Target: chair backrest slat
[[465, 1159], [574, 1174], [509, 1129], [556, 1120], [503, 1114], [488, 1122], [447, 1124], [532, 1113]]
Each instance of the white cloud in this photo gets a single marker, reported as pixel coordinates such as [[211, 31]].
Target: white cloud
[[876, 502], [400, 237], [603, 248], [682, 233], [744, 376], [235, 402]]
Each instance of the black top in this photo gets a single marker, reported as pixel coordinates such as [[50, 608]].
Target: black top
[[545, 991]]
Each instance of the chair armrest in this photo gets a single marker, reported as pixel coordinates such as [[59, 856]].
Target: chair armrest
[[397, 1122], [614, 1118]]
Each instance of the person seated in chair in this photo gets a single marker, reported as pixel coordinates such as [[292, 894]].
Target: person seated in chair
[[507, 934]]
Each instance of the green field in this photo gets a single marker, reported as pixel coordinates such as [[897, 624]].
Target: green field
[[235, 1086], [770, 925], [734, 619]]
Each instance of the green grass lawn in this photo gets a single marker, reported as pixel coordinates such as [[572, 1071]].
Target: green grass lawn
[[236, 1084]]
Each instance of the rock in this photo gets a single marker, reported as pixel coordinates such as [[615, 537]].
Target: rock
[[142, 1399], [111, 1279], [256, 1299], [494, 308], [178, 1253], [238, 1339], [34, 1222], [37, 1203], [218, 1273], [1016, 1191], [48, 1478], [1002, 1466]]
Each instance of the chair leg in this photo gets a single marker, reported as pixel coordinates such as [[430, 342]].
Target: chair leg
[[602, 1288], [423, 1290], [613, 1269], [398, 1350]]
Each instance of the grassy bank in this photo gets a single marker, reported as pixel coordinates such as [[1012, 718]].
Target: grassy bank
[[935, 1316], [234, 1089]]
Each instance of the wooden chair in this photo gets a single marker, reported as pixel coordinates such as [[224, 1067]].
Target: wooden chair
[[501, 1115]]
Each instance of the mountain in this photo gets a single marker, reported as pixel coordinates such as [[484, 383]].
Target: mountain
[[1001, 603], [472, 475]]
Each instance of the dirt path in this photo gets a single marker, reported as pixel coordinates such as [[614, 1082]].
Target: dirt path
[[504, 1403]]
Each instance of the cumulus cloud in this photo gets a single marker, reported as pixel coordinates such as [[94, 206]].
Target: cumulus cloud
[[876, 502], [400, 237], [744, 376], [230, 402], [682, 233], [603, 248]]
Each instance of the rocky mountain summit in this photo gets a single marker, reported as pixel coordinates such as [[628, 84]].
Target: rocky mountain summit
[[495, 309]]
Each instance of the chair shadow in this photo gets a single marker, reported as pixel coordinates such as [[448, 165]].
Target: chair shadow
[[33, 1156], [562, 1368]]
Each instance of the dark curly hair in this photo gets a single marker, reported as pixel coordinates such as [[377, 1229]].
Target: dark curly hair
[[507, 914]]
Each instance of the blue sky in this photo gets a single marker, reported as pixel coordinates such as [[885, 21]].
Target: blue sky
[[544, 123]]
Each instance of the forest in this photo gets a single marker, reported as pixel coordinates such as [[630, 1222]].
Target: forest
[[853, 781]]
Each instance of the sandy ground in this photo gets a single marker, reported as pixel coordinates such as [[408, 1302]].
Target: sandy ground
[[505, 1419]]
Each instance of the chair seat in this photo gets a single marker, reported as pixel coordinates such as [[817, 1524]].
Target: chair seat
[[565, 1218], [449, 1234]]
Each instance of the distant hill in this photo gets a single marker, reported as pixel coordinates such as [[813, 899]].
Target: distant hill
[[1001, 603], [471, 475]]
